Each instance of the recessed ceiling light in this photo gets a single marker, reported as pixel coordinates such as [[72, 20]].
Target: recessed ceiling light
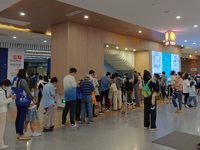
[[22, 14], [86, 17], [45, 41], [196, 26], [126, 48], [14, 37], [117, 47], [134, 50], [194, 43], [140, 31], [195, 51], [107, 45], [178, 17], [185, 41]]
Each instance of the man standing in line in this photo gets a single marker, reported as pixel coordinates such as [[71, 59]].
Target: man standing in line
[[136, 82], [48, 102], [163, 85], [92, 76], [70, 86], [104, 87], [86, 87]]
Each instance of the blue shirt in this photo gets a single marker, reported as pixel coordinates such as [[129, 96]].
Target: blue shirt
[[192, 91], [36, 78], [47, 98], [86, 87], [104, 83]]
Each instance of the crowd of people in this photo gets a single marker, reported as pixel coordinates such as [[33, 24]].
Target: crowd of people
[[81, 98]]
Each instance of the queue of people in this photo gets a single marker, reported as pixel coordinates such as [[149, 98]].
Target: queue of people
[[82, 96]]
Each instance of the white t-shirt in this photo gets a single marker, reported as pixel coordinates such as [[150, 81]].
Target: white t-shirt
[[172, 80], [186, 86]]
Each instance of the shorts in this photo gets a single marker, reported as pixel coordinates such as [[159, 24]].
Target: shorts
[[98, 98], [31, 115]]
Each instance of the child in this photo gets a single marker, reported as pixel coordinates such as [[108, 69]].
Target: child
[[154, 94], [129, 89], [192, 79], [31, 116], [192, 95]]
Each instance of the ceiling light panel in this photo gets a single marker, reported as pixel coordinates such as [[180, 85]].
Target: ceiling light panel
[[73, 13], [12, 21], [38, 51]]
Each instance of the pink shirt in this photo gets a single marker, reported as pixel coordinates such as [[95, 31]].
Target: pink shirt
[[179, 84]]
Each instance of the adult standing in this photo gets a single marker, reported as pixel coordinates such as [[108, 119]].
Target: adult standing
[[41, 84], [86, 88], [48, 102], [21, 110], [4, 85], [186, 87], [197, 79], [70, 86], [92, 74], [140, 85], [148, 112], [117, 95], [163, 86], [136, 82], [178, 93], [104, 87]]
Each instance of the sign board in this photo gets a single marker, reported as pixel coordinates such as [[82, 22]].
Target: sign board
[[15, 62], [170, 38], [193, 65]]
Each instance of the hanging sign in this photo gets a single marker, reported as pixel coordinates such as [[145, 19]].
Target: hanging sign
[[170, 38]]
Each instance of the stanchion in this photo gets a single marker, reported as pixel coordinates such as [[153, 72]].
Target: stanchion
[[126, 107]]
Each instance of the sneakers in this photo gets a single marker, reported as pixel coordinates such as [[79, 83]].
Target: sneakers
[[90, 122], [186, 106], [47, 130], [74, 125], [24, 138], [4, 147], [101, 112], [154, 129], [133, 107], [65, 124], [36, 134], [118, 109], [153, 107], [114, 110], [107, 110], [94, 115], [52, 127]]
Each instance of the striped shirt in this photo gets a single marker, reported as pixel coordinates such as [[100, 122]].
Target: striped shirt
[[86, 87]]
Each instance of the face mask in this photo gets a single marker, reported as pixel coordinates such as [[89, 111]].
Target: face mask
[[32, 93], [6, 88]]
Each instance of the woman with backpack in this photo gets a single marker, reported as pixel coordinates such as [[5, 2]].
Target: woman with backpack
[[148, 88], [23, 100]]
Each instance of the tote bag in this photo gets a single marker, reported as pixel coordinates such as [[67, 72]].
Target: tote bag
[[94, 98], [78, 94], [113, 87], [22, 98]]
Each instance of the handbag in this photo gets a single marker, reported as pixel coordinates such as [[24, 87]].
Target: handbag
[[78, 94], [22, 98], [94, 98], [113, 87]]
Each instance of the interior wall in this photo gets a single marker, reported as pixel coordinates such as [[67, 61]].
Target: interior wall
[[77, 46], [185, 66], [142, 61]]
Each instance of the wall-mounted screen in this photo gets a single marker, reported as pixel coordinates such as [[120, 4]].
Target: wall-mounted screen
[[164, 62]]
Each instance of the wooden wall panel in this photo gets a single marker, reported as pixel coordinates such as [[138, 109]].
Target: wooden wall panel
[[186, 66], [142, 61], [59, 54]]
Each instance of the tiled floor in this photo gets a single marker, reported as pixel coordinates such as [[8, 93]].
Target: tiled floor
[[111, 132]]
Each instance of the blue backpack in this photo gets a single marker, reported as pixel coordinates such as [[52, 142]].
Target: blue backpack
[[22, 98]]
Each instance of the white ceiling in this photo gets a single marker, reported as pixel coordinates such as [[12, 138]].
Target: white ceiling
[[23, 37], [6, 3], [151, 14]]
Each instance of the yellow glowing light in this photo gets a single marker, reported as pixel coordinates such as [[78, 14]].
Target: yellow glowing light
[[172, 36], [190, 56], [10, 27], [167, 36], [48, 33]]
